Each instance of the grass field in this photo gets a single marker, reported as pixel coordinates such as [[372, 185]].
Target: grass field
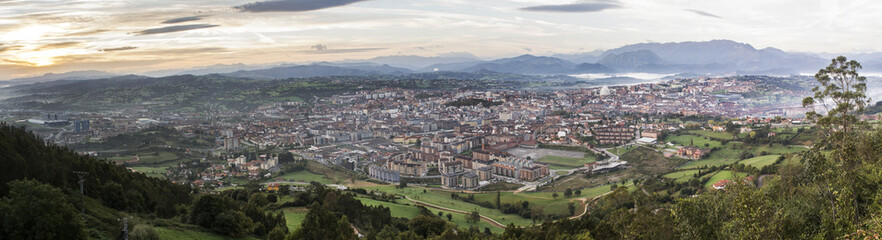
[[397, 209], [294, 216], [681, 176], [157, 172], [761, 161], [305, 176], [442, 198], [687, 140], [725, 174], [730, 153], [621, 150], [586, 193], [407, 209], [712, 134], [501, 186], [175, 233], [558, 162]]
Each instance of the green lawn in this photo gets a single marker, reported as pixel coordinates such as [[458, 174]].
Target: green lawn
[[442, 198], [681, 176], [730, 153], [698, 141], [725, 174], [157, 172], [761, 161], [501, 186], [407, 209], [294, 216], [586, 193], [558, 162], [397, 209], [305, 176], [713, 134]]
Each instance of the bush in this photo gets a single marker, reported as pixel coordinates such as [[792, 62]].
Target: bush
[[143, 232]]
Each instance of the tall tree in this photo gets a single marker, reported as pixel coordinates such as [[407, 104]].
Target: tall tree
[[842, 94], [34, 210]]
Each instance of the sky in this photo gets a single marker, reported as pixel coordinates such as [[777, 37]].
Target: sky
[[136, 36]]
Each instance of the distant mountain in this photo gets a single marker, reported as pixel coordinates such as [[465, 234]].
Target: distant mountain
[[716, 56], [318, 70], [49, 77], [524, 64], [205, 70], [629, 61], [588, 57], [592, 68], [417, 62]]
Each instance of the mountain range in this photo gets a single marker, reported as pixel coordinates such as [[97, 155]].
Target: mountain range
[[716, 57]]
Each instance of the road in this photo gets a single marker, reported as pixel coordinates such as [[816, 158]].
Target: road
[[341, 187], [483, 218]]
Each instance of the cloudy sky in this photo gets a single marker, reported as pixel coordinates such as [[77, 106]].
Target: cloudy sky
[[135, 36]]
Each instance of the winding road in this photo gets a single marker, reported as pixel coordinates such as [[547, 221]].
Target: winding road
[[483, 218]]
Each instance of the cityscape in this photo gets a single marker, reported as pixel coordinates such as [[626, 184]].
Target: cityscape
[[430, 120]]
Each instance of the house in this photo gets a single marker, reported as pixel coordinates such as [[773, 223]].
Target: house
[[272, 187], [721, 184], [692, 152]]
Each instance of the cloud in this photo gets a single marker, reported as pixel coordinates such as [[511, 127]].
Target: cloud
[[703, 13], [166, 52], [85, 33], [575, 7], [322, 49], [57, 45], [170, 29], [184, 19], [293, 5], [319, 47], [4, 47], [118, 49]]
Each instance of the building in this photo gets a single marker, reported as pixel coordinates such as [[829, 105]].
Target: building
[[692, 152], [413, 169], [613, 135], [484, 173], [81, 126], [470, 180], [450, 180], [383, 174], [505, 169], [231, 143], [450, 167], [272, 187]]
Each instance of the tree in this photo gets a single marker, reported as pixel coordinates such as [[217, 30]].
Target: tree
[[232, 223], [572, 208], [498, 201], [842, 86], [578, 192], [554, 195], [568, 192], [427, 225], [473, 217], [33, 210], [440, 213], [320, 224], [278, 233], [449, 217], [402, 184]]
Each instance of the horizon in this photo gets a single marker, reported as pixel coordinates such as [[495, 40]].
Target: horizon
[[138, 37]]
